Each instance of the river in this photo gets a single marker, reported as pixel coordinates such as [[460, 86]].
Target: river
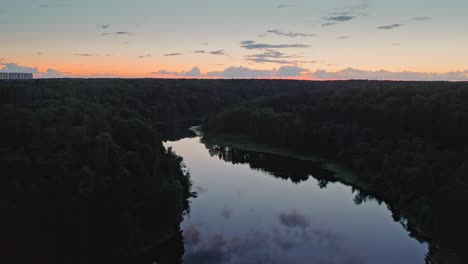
[[255, 207]]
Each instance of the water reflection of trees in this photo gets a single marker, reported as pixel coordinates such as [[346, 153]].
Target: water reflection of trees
[[279, 166]]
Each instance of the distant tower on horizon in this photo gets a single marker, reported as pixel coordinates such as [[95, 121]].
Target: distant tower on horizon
[[15, 76]]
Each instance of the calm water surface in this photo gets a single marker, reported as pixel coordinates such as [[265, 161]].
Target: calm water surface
[[262, 208]]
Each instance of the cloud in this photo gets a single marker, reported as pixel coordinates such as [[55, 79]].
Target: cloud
[[85, 54], [195, 71], [420, 18], [272, 56], [163, 72], [104, 26], [172, 54], [351, 73], [275, 57], [411, 20], [214, 52], [294, 219], [144, 56], [344, 37], [118, 33], [345, 13], [13, 67], [51, 73], [392, 26], [43, 6], [238, 72], [249, 44], [290, 34], [285, 6], [242, 72], [269, 56], [290, 71], [342, 18], [217, 52]]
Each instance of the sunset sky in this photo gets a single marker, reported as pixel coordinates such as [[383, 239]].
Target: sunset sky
[[301, 39]]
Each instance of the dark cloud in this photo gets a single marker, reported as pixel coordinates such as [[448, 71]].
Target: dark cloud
[[172, 54], [294, 219], [144, 56], [217, 52], [272, 56], [342, 18], [104, 26], [408, 21], [39, 53], [247, 42], [351, 73], [251, 45], [118, 33], [344, 37], [345, 13], [392, 26], [290, 34], [214, 52]]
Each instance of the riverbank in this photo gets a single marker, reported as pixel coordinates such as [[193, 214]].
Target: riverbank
[[244, 142]]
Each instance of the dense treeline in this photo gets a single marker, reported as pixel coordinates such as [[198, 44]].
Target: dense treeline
[[85, 177], [409, 141]]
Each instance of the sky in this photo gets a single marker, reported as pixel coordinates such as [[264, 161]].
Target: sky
[[298, 39]]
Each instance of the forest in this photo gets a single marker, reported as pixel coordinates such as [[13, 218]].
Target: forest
[[85, 177], [407, 140]]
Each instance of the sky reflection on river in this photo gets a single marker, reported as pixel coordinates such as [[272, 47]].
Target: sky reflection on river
[[245, 215]]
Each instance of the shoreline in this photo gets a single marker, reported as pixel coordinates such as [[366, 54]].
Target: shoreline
[[342, 173]]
